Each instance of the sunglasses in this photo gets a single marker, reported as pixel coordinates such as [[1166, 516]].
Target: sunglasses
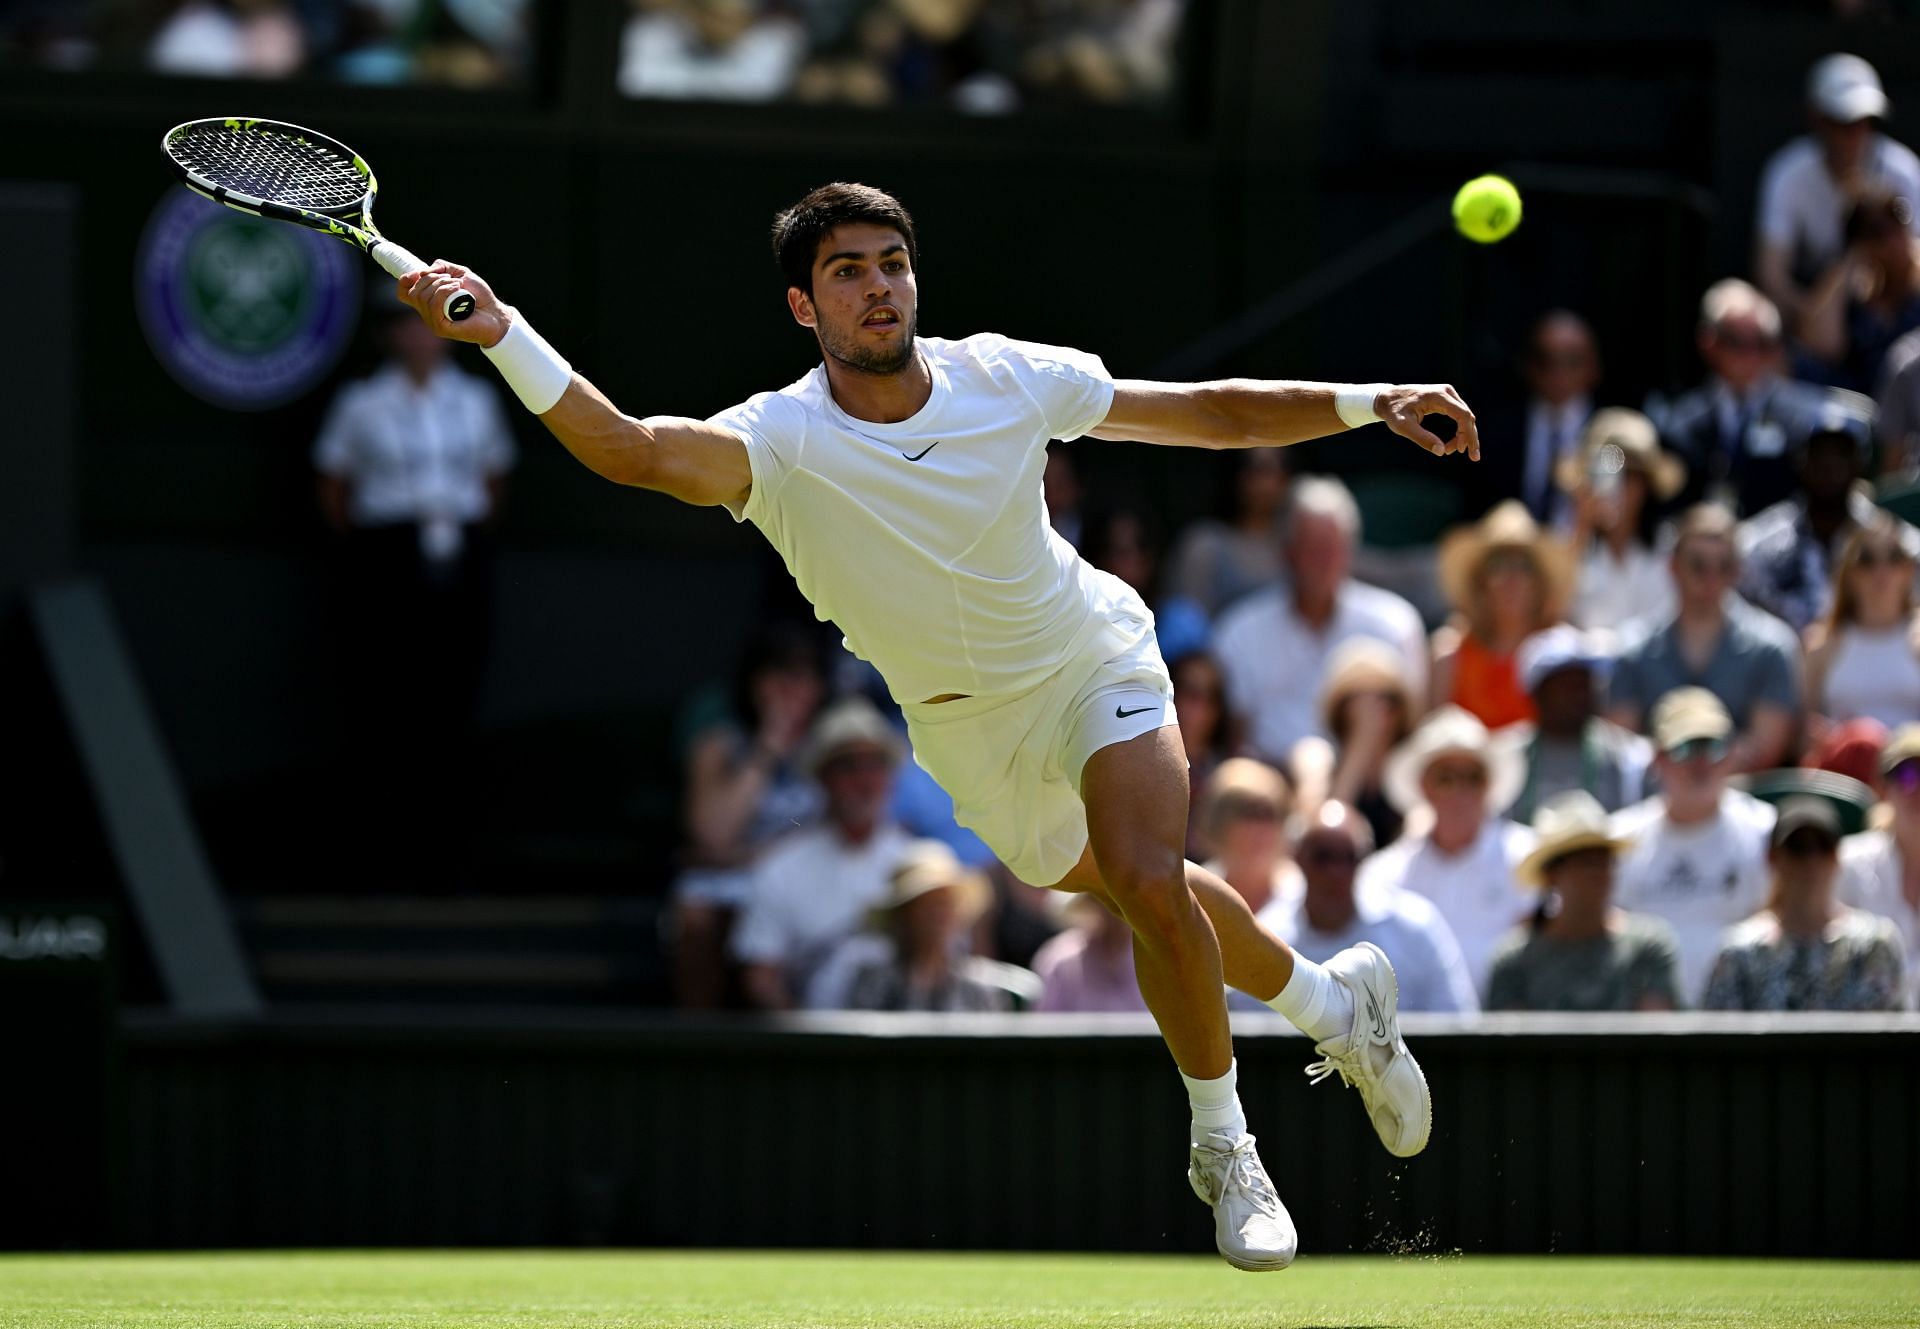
[[853, 762], [1698, 749], [1881, 558], [1734, 341], [1905, 776], [1708, 567], [1457, 777]]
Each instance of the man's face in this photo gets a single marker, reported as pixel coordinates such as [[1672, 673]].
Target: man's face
[[1830, 468], [1806, 861], [1694, 772], [1703, 570], [1318, 554], [1562, 363], [1843, 143], [1565, 701], [1455, 783], [858, 781], [1739, 351], [865, 303], [1328, 856]]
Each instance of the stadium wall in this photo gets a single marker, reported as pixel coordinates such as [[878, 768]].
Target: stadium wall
[[1683, 1134]]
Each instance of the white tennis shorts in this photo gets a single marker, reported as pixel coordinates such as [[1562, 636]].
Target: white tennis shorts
[[1013, 763]]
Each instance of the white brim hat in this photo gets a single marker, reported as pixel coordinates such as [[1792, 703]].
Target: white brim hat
[[1451, 731]]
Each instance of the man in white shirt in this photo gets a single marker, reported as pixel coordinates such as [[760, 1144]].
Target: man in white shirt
[[901, 483], [411, 464], [811, 891], [1809, 184], [1325, 915], [1454, 782], [1880, 869], [1699, 855], [1275, 644]]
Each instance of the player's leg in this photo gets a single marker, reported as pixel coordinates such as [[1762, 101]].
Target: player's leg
[[1135, 792]]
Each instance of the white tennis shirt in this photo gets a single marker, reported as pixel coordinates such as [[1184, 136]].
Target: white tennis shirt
[[927, 541]]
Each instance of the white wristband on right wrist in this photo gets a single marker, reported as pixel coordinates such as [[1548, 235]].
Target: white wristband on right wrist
[[538, 374], [1354, 403]]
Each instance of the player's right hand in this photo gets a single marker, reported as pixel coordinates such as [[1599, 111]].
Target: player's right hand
[[426, 293]]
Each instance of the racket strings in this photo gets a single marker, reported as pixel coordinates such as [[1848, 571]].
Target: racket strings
[[271, 165]]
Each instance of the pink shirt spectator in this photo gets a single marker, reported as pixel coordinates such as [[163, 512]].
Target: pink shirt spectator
[[1077, 974]]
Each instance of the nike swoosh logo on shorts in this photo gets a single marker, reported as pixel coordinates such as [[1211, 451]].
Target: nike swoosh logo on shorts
[[923, 451], [1119, 714]]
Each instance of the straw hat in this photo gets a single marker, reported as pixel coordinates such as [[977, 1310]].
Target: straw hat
[[1637, 448], [1364, 664], [1567, 824], [1451, 731], [853, 723], [929, 865], [1509, 526]]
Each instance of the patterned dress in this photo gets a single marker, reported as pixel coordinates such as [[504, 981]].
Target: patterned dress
[[1853, 965]]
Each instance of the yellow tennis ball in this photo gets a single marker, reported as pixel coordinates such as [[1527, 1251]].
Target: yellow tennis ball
[[1487, 208]]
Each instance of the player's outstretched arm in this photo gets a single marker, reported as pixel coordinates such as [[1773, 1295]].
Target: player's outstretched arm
[[690, 460], [1256, 413]]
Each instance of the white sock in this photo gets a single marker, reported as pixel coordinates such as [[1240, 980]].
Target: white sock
[[1318, 1003], [1216, 1105]]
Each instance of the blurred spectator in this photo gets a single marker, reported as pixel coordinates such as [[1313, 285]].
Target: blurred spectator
[[1324, 915], [1561, 369], [1275, 643], [1897, 395], [1103, 51], [1245, 810], [812, 889], [1868, 300], [1805, 951], [1572, 747], [1786, 552], [1206, 731], [1464, 859], [1061, 490], [744, 788], [1732, 431], [1880, 868], [1368, 708], [1506, 579], [1809, 184], [229, 39], [1089, 967], [932, 902], [1716, 641], [1851, 748], [1580, 952], [1615, 481], [1022, 919], [1863, 657], [714, 50], [412, 465], [1214, 563], [1124, 541], [1699, 848]]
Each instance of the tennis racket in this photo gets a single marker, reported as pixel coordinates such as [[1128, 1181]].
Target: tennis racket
[[293, 175]]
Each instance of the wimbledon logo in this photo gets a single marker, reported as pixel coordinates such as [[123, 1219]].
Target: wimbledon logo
[[244, 313]]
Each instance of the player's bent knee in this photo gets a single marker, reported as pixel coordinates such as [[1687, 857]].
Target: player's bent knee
[[1148, 891]]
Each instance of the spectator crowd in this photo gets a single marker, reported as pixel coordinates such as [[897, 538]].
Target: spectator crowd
[[1662, 751]]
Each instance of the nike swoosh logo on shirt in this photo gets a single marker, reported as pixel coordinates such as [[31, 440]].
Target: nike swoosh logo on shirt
[[1119, 714], [923, 451]]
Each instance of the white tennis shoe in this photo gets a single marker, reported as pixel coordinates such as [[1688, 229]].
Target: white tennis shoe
[[1372, 1057], [1250, 1225]]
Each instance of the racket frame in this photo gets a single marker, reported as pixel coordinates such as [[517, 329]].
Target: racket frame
[[352, 222]]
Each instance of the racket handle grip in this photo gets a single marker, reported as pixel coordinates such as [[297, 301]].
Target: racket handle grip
[[398, 262]]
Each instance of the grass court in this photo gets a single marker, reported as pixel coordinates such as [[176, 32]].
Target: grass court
[[725, 1290]]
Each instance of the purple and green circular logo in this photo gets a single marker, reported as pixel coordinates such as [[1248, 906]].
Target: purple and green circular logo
[[243, 312]]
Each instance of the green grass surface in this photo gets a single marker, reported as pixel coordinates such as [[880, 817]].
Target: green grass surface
[[467, 1290]]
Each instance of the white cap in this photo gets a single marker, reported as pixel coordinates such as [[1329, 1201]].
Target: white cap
[[1846, 88]]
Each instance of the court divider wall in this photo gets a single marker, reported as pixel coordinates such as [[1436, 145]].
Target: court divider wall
[[1685, 1134]]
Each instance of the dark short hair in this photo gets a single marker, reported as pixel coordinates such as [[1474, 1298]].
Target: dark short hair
[[798, 231]]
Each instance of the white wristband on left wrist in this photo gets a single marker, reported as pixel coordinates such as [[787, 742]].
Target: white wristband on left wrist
[[1354, 403]]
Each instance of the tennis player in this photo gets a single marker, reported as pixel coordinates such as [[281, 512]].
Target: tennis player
[[900, 481]]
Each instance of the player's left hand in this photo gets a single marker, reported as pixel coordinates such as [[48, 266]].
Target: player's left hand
[[1405, 405]]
